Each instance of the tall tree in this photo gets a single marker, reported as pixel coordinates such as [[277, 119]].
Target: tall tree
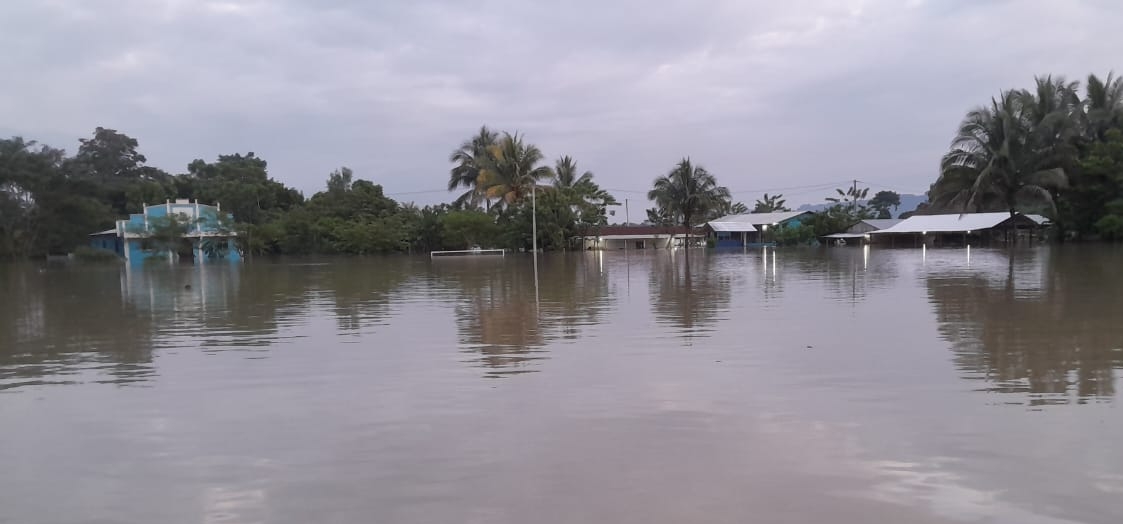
[[770, 204], [1007, 155], [883, 201], [582, 193], [513, 170], [470, 159], [687, 192], [241, 184], [1103, 105]]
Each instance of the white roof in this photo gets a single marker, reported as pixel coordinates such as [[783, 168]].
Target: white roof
[[730, 225], [748, 221], [106, 232], [1039, 219], [883, 223], [947, 223], [845, 235]]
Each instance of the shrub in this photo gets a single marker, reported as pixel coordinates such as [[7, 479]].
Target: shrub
[[94, 254]]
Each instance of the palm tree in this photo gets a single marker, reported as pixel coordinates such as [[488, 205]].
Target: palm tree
[[1103, 105], [725, 208], [687, 192], [581, 188], [470, 158], [512, 170], [1007, 155], [770, 204]]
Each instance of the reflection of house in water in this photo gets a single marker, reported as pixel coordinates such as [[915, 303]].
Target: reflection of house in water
[[1051, 339], [170, 294], [206, 234]]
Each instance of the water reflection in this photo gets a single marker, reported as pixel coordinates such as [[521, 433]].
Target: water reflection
[[60, 326], [689, 291], [496, 314], [1034, 322]]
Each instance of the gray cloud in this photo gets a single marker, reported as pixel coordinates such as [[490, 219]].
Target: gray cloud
[[765, 95]]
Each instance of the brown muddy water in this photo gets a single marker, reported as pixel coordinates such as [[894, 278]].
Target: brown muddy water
[[832, 385]]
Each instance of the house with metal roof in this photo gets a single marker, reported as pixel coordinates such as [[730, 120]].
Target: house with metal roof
[[641, 237], [747, 229], [859, 233], [958, 229]]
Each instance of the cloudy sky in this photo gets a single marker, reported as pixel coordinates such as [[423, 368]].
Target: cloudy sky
[[795, 94]]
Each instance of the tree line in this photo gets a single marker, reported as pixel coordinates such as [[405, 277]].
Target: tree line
[[1054, 149], [50, 201]]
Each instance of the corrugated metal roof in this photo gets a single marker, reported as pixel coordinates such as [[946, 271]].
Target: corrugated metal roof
[[1039, 219], [846, 235], [733, 227], [883, 223], [749, 221], [947, 223], [106, 232]]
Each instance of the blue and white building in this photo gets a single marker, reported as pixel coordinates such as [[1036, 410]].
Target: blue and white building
[[208, 234]]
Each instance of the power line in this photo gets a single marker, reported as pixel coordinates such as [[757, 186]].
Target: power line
[[791, 188]]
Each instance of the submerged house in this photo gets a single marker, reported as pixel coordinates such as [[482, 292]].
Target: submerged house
[[204, 234], [959, 229], [752, 228], [860, 233], [641, 237]]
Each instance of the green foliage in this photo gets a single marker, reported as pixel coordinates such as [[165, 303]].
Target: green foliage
[[470, 159], [511, 170], [801, 234], [725, 207], [659, 217], [1096, 182], [166, 234], [466, 229], [884, 203], [241, 184], [1110, 227], [687, 193], [770, 204]]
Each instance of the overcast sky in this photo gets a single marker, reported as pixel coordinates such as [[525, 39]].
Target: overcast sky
[[766, 95]]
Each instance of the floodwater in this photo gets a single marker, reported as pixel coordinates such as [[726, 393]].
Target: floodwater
[[831, 385]]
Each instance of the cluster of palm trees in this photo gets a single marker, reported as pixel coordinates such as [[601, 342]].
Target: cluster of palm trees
[[1019, 152], [501, 171]]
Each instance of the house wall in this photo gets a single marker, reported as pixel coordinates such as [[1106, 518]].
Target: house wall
[[735, 238], [108, 242], [202, 219]]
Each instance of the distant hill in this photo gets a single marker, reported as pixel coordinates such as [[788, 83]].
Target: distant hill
[[908, 203]]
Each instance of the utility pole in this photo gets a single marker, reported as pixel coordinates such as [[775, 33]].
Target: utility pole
[[627, 216]]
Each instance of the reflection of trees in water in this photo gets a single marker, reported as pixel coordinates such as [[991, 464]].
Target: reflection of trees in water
[[687, 291], [57, 324], [496, 314], [60, 324], [1051, 336], [363, 290]]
